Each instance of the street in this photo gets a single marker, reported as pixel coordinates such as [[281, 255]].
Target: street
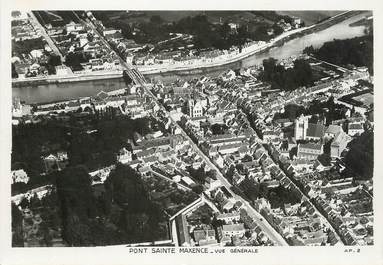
[[47, 38]]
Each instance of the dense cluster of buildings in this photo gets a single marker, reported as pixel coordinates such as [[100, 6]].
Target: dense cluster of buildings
[[77, 40], [164, 154], [231, 118], [30, 60], [230, 224]]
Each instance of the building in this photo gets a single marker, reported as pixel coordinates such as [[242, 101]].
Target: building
[[17, 108], [333, 131], [110, 31], [315, 131], [74, 27], [309, 151], [229, 217], [300, 127], [303, 130], [204, 236], [19, 176], [62, 70], [355, 129], [124, 156], [55, 162], [211, 184], [339, 144], [195, 108], [233, 230]]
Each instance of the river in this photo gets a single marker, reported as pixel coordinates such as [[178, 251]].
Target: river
[[64, 91]]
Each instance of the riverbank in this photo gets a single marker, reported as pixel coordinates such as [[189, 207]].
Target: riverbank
[[250, 50], [192, 69], [293, 48], [36, 81]]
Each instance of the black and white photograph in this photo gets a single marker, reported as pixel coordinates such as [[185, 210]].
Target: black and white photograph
[[192, 131]]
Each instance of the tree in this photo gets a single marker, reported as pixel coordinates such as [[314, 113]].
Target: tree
[[309, 50], [218, 128], [360, 157], [199, 174], [126, 188], [17, 227], [14, 72], [198, 189], [356, 51], [54, 60], [74, 60], [156, 20], [325, 159], [277, 29], [77, 204], [290, 79], [217, 223]]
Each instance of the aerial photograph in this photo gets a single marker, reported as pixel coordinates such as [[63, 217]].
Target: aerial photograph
[[192, 128]]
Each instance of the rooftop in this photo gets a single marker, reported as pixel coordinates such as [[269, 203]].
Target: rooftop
[[234, 227]]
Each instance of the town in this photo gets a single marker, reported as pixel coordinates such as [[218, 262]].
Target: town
[[248, 157]]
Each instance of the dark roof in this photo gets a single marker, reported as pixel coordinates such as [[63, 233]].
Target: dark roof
[[199, 234], [311, 146], [315, 130], [355, 126]]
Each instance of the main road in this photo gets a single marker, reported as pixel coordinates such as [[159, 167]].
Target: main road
[[46, 36], [139, 79]]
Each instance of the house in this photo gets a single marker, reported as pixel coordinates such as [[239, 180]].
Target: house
[[188, 181], [233, 230], [309, 151], [124, 156], [291, 209], [332, 131], [229, 217], [211, 184], [261, 203], [109, 31], [145, 153], [238, 178], [228, 205], [229, 148], [55, 162], [73, 27], [204, 236], [283, 122], [19, 176], [339, 144], [270, 135], [62, 70], [355, 129], [137, 137]]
